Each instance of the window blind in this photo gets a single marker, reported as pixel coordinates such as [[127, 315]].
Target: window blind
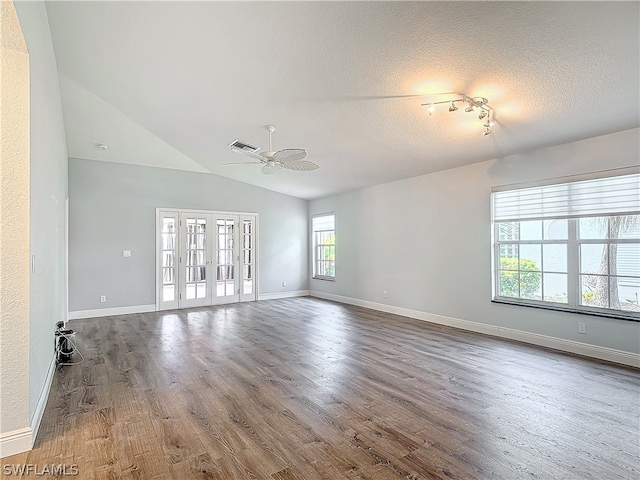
[[323, 223], [594, 197]]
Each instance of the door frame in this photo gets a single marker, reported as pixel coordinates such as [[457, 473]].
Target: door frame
[[178, 212]]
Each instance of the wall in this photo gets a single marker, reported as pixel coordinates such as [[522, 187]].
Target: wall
[[49, 180], [15, 434], [112, 208], [437, 229]]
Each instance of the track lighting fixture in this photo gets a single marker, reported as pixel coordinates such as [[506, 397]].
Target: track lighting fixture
[[473, 104]]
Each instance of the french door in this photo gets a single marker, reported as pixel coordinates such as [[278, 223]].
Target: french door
[[205, 258], [194, 264]]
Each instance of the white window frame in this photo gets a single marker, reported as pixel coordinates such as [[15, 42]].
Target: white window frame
[[314, 247], [573, 242]]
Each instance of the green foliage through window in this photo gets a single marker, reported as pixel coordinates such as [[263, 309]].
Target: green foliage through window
[[519, 282]]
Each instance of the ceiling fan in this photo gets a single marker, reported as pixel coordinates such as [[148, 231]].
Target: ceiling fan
[[289, 158]]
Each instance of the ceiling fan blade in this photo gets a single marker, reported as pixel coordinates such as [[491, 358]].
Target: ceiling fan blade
[[290, 155], [241, 163], [300, 166], [257, 156]]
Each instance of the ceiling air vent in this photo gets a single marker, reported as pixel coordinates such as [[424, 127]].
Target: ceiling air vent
[[243, 146]]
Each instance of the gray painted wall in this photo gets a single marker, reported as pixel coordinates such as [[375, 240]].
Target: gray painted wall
[[47, 285], [438, 230], [112, 207]]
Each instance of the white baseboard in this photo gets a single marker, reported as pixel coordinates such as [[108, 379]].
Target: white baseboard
[[290, 294], [108, 312], [21, 440], [36, 418], [571, 346], [16, 441]]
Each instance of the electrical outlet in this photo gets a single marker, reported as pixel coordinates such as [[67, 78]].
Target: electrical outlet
[[284, 283], [103, 298], [126, 253], [582, 327], [384, 294]]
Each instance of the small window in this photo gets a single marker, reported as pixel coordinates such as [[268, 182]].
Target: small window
[[324, 247], [570, 246]]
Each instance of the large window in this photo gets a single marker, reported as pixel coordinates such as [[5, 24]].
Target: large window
[[573, 245], [324, 247]]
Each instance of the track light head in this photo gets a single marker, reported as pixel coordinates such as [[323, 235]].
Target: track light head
[[487, 128], [478, 104]]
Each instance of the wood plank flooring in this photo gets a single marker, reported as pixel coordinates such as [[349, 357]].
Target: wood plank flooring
[[305, 389]]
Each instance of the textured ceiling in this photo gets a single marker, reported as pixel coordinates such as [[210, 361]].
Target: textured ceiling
[[173, 83]]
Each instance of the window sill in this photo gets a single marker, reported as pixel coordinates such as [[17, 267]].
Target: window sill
[[630, 316], [326, 279]]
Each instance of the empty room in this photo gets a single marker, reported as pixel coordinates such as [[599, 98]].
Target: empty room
[[320, 240]]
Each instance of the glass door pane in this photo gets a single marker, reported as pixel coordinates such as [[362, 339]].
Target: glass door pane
[[248, 258], [226, 289], [167, 260], [195, 264]]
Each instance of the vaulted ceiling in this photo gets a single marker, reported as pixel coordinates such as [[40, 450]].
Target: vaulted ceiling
[[171, 84]]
